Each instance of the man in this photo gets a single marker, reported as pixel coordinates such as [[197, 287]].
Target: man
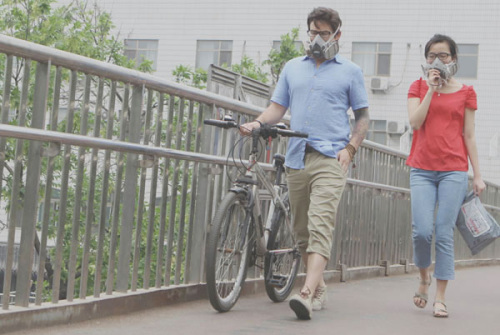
[[319, 89]]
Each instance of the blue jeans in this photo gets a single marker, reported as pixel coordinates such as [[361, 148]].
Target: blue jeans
[[446, 190]]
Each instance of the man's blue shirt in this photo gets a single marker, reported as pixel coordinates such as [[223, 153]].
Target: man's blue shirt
[[318, 99]]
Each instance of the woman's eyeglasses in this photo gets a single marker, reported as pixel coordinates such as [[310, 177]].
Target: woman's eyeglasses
[[440, 55]]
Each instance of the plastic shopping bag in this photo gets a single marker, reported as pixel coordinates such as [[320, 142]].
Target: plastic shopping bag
[[477, 226]]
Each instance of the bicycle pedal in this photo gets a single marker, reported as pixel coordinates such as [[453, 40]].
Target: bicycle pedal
[[278, 281]]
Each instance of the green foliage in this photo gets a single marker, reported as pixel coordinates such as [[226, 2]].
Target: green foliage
[[186, 75], [33, 20], [247, 67], [278, 59], [82, 29], [78, 28]]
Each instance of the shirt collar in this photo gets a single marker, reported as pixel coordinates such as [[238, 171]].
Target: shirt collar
[[337, 59]]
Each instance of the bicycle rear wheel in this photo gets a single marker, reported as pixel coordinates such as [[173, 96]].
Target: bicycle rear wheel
[[282, 259], [228, 251]]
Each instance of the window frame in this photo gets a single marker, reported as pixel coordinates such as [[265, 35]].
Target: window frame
[[475, 55], [376, 54], [219, 51], [137, 50]]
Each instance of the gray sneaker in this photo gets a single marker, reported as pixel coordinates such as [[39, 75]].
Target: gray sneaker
[[319, 298], [301, 305]]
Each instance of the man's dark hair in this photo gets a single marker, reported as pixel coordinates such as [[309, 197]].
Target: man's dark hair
[[438, 38], [326, 15]]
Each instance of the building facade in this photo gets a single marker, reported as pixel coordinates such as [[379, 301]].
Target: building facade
[[386, 38]]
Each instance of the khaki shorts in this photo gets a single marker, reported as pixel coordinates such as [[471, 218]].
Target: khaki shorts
[[315, 194]]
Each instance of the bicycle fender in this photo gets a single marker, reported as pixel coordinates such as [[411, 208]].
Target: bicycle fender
[[239, 190]]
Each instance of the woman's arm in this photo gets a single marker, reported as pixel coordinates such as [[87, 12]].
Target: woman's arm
[[478, 184], [417, 110]]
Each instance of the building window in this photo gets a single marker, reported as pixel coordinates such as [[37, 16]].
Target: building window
[[298, 45], [377, 132], [373, 57], [467, 60], [139, 50], [213, 52]]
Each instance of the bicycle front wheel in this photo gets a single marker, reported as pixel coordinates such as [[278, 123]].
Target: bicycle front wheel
[[227, 252], [282, 260]]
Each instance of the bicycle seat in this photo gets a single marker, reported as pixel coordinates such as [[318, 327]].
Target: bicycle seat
[[279, 159]]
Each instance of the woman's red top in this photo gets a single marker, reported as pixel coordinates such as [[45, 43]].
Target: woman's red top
[[439, 143]]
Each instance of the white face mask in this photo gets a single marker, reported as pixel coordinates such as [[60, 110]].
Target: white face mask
[[321, 49], [446, 71]]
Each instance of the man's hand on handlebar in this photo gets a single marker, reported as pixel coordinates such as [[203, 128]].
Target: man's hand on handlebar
[[246, 129]]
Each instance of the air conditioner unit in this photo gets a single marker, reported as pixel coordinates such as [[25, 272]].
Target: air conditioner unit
[[379, 84], [395, 127]]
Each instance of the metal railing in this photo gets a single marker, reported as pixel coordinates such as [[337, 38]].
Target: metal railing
[[111, 180]]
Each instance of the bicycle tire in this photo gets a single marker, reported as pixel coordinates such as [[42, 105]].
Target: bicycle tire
[[227, 252], [280, 270]]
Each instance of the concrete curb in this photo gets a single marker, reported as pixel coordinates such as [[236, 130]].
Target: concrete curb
[[48, 314]]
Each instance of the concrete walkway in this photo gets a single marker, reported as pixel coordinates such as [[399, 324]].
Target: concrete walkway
[[373, 306]]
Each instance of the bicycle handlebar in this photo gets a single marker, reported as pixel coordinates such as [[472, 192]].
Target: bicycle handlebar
[[264, 131], [221, 124], [292, 133]]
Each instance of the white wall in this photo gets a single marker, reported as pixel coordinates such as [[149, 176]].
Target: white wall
[[177, 24]]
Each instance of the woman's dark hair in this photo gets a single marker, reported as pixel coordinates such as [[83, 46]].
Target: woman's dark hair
[[438, 38], [326, 15]]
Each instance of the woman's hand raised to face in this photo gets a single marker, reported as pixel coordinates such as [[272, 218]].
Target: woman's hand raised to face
[[433, 78]]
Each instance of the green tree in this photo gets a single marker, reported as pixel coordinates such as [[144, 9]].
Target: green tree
[[80, 28], [247, 67], [184, 74], [288, 50]]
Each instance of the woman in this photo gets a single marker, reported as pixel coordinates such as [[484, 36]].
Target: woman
[[441, 112]]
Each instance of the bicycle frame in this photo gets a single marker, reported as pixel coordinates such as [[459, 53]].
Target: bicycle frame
[[257, 174], [239, 237]]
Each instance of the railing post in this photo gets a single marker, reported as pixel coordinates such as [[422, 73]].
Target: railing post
[[201, 219], [343, 272], [129, 191], [15, 203], [25, 262], [386, 264]]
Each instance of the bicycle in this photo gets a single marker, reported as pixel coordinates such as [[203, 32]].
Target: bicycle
[[238, 237]]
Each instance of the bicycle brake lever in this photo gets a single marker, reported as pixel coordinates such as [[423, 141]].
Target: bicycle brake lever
[[266, 131]]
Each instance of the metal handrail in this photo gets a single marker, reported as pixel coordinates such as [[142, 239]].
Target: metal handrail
[[44, 54], [105, 144], [121, 146]]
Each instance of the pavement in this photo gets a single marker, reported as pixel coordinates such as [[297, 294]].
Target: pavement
[[382, 305]]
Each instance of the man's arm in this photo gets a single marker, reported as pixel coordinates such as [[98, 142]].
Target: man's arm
[[361, 126], [272, 115]]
